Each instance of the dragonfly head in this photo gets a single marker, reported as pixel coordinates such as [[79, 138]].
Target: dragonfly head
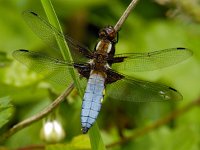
[[108, 33]]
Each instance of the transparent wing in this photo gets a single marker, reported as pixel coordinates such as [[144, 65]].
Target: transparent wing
[[53, 69], [150, 61], [130, 89], [47, 33]]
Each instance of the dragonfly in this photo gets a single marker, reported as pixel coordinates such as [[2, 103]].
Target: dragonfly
[[101, 68]]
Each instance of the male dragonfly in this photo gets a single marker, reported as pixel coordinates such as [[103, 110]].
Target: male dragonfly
[[102, 68]]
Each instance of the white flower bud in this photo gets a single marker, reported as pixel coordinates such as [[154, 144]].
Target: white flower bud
[[52, 131]]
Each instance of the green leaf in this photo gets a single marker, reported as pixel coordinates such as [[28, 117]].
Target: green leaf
[[81, 142], [3, 59], [188, 134], [51, 15], [6, 110], [15, 92], [78, 143], [95, 138]]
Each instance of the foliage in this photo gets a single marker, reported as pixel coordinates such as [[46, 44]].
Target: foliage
[[6, 111], [151, 26]]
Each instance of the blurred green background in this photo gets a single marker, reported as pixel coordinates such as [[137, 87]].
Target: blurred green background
[[152, 25]]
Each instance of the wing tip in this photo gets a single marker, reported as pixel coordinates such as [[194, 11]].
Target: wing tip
[[177, 95], [20, 50], [181, 48], [185, 49], [28, 13], [33, 13], [23, 50], [173, 89]]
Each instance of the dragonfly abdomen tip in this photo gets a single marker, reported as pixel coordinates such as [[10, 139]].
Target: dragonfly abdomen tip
[[85, 130]]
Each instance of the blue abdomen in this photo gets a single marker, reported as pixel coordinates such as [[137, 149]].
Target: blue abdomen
[[92, 101]]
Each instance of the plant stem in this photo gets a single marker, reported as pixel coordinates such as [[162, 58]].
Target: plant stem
[[52, 17], [125, 15], [38, 116]]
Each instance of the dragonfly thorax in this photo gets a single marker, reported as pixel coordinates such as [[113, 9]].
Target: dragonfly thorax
[[103, 48]]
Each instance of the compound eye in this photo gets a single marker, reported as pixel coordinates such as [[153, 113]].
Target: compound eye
[[111, 33], [102, 34]]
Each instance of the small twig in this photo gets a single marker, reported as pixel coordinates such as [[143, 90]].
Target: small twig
[[158, 123], [33, 147], [38, 116], [125, 15]]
